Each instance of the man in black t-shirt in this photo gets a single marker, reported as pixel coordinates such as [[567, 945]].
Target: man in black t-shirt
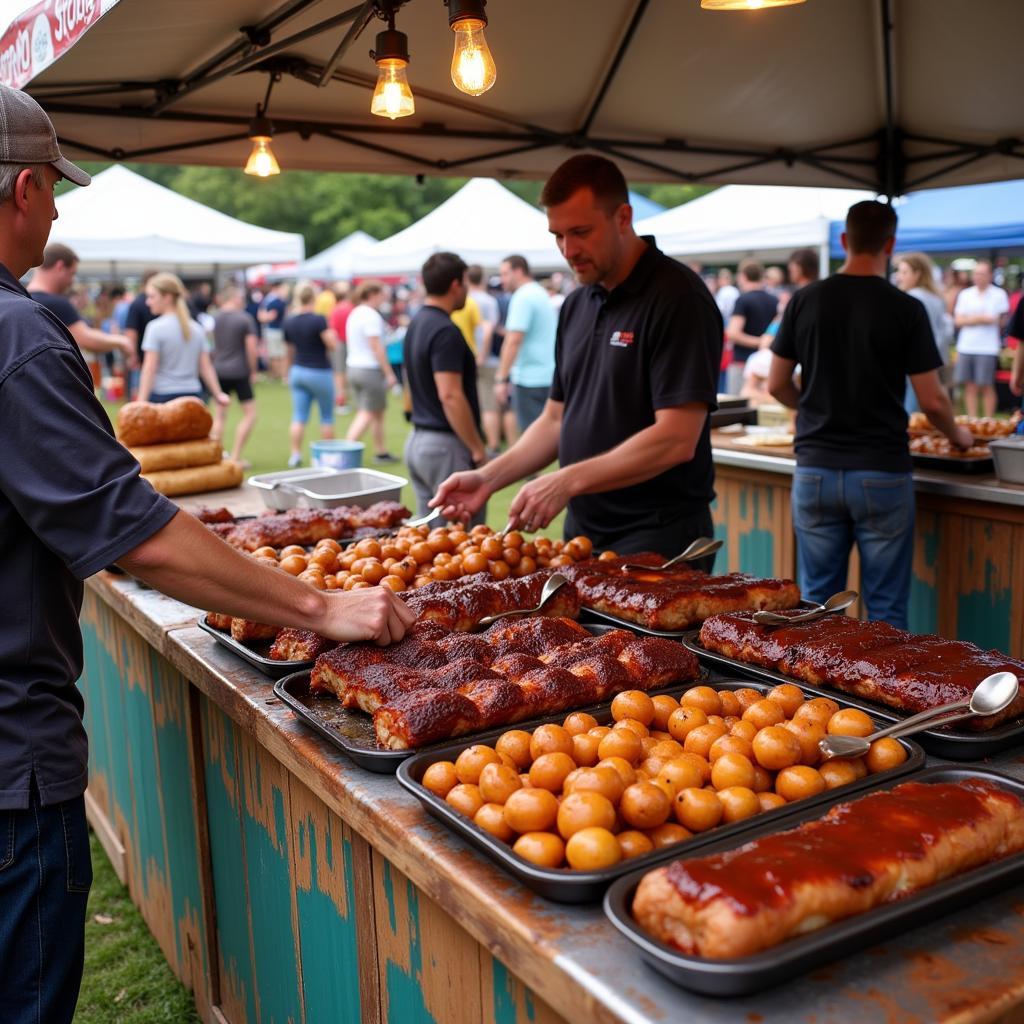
[[754, 311], [440, 372], [857, 338], [63, 517], [636, 368]]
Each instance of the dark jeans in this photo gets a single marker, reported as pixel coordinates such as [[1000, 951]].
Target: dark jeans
[[160, 397], [666, 538], [528, 404], [45, 875]]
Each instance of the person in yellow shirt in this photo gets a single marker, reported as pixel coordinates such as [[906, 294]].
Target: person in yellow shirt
[[325, 302], [467, 320]]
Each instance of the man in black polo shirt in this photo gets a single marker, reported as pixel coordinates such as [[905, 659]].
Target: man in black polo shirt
[[71, 502], [441, 375], [754, 311], [857, 338], [636, 367]]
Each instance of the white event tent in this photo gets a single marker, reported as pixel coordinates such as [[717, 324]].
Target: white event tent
[[124, 223], [768, 221], [483, 222], [337, 262]]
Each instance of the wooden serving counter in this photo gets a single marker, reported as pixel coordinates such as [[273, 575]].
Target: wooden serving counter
[[283, 883], [968, 547]]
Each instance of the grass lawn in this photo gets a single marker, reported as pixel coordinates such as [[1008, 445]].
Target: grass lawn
[[267, 449]]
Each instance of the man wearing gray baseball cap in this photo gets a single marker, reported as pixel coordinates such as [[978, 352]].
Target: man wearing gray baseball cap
[[71, 503]]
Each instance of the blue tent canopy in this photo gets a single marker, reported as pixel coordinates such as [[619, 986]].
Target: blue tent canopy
[[642, 206], [972, 218]]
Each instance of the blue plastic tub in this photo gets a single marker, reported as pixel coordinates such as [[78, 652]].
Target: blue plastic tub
[[337, 454]]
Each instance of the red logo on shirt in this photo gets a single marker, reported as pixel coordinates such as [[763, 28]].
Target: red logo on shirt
[[622, 339]]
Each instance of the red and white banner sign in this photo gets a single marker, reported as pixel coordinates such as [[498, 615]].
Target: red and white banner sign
[[42, 33]]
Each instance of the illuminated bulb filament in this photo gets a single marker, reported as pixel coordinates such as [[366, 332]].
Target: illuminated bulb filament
[[473, 69], [262, 163], [392, 97]]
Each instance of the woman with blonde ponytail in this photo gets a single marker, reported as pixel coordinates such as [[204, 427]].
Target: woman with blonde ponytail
[[175, 356]]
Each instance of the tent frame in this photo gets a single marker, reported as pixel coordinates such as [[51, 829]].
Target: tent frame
[[892, 171]]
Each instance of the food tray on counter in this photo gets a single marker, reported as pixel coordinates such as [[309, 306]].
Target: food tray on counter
[[957, 746], [351, 731], [566, 885], [846, 937], [966, 465], [268, 666]]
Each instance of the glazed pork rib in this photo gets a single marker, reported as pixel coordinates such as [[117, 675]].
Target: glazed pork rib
[[432, 686], [862, 854], [873, 660], [676, 599]]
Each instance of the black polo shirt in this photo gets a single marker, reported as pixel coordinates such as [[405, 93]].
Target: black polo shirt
[[433, 344], [71, 502], [653, 342]]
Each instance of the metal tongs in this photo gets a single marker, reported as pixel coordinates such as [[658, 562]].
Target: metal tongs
[[701, 547], [553, 583], [836, 603]]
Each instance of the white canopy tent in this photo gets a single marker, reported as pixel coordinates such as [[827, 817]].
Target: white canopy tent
[[124, 223], [768, 221], [483, 222], [338, 262]]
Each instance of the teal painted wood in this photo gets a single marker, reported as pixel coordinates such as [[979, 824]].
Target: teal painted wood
[[983, 616], [505, 1009], [923, 610], [405, 1000], [757, 538], [227, 853], [97, 667], [327, 932]]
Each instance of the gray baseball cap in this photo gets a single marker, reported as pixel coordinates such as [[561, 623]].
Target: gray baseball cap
[[27, 136]]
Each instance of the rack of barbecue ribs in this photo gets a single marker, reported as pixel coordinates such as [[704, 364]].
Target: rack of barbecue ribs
[[299, 645], [862, 854], [676, 599], [873, 660], [436, 684], [461, 604], [306, 526]]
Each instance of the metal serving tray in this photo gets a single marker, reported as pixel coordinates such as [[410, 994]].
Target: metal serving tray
[[361, 487], [272, 491], [564, 885], [957, 746], [843, 938], [964, 465], [268, 666], [352, 731]]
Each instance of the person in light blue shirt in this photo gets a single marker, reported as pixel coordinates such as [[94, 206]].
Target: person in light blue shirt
[[528, 351]]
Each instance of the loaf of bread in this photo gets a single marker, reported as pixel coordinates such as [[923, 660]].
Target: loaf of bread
[[182, 419], [196, 479], [177, 455]]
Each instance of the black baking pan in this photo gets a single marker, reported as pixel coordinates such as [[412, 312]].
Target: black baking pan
[[957, 746], [352, 731], [564, 885], [268, 666], [964, 465], [843, 938]]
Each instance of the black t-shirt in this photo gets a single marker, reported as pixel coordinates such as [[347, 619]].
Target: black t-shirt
[[59, 306], [138, 316], [1015, 328], [304, 330], [758, 309], [71, 502], [856, 340], [433, 344], [652, 343]]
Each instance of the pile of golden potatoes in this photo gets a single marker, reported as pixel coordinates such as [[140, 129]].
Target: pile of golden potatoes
[[417, 555], [588, 795]]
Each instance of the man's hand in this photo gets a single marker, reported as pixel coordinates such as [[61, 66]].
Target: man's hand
[[502, 393], [373, 613], [461, 496], [1017, 387], [962, 438], [222, 398], [539, 501]]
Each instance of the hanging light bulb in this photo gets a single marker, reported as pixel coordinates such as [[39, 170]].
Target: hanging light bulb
[[473, 70], [392, 96], [745, 5], [261, 163]]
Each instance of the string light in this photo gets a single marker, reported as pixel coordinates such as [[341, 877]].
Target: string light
[[473, 70], [261, 163], [392, 96], [745, 5]]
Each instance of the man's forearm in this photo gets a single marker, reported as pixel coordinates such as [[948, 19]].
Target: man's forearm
[[460, 419], [94, 340], [742, 338], [787, 394], [509, 350], [535, 449]]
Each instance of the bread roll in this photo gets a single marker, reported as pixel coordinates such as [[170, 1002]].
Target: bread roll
[[182, 419], [177, 455], [196, 479]]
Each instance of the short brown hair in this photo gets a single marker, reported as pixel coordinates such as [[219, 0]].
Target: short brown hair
[[808, 262], [587, 170], [518, 263], [869, 225], [752, 270], [56, 253], [367, 290], [475, 274]]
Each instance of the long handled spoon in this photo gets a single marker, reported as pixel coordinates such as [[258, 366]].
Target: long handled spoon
[[554, 582], [698, 549], [836, 603]]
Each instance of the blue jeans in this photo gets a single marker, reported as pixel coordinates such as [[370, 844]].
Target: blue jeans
[[45, 875], [834, 508]]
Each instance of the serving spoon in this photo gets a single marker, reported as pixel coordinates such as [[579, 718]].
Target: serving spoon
[[992, 695], [836, 603], [698, 549], [423, 520], [553, 583]]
